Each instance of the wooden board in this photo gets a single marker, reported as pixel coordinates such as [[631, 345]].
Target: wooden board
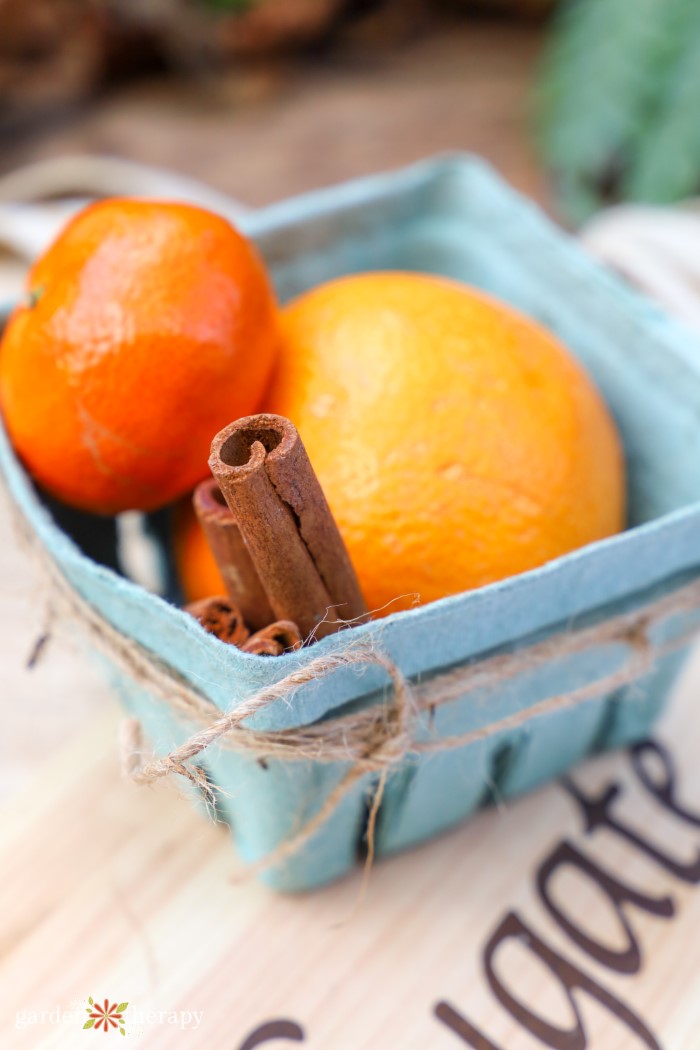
[[122, 893]]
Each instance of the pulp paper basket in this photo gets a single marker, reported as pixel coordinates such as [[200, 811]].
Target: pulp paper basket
[[450, 216]]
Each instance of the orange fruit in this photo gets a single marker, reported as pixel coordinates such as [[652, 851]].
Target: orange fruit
[[196, 567], [457, 441], [148, 327]]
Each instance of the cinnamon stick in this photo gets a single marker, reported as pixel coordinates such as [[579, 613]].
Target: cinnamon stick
[[229, 549], [266, 478], [222, 617], [280, 637]]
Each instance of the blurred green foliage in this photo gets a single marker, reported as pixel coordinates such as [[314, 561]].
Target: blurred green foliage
[[618, 102], [230, 5]]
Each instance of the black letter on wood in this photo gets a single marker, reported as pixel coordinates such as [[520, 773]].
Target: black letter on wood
[[461, 1027], [273, 1030], [629, 959], [571, 978], [666, 791], [596, 812]]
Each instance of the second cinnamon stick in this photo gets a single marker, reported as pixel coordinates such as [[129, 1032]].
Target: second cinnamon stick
[[231, 554]]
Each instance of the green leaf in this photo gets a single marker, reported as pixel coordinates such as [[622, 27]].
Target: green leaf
[[89, 1023], [667, 166], [598, 76], [90, 1000], [121, 1008], [122, 1031], [34, 295], [232, 5], [617, 100]]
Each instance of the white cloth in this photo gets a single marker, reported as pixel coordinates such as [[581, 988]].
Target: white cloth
[[657, 249]]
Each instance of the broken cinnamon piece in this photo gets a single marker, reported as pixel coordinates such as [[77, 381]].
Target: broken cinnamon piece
[[221, 617], [280, 637], [264, 647], [229, 550], [266, 478]]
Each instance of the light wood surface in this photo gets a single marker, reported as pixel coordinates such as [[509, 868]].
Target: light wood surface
[[113, 891]]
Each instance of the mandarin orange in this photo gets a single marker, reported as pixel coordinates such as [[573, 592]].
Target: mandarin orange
[[148, 326], [458, 442]]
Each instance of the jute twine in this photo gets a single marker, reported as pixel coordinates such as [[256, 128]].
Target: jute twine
[[371, 741]]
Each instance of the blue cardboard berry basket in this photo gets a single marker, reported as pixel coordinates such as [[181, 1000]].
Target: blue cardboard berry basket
[[450, 216]]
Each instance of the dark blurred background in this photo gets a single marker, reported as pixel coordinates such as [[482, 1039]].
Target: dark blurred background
[[580, 103], [265, 98]]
